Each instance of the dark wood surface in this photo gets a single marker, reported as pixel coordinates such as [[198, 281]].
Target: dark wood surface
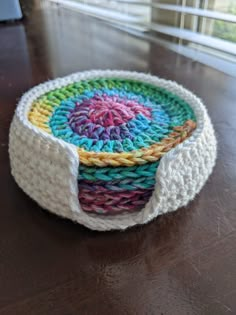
[[183, 263]]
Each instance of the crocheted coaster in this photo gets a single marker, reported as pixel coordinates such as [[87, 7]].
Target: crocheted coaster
[[111, 149]]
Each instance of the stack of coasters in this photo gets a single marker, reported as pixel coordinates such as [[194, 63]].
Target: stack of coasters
[[112, 147]]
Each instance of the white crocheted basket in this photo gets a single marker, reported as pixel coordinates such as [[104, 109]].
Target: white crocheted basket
[[46, 165]]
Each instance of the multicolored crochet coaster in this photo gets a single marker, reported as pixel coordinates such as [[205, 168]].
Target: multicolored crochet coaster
[[120, 126]]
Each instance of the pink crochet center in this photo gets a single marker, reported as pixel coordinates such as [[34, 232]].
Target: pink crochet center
[[113, 111]]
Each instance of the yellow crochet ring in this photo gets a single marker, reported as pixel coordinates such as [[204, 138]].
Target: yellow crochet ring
[[40, 116], [138, 157]]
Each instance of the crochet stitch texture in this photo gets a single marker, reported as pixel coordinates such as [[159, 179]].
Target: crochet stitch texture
[[111, 149]]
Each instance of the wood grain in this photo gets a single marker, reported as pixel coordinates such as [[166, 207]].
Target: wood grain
[[181, 263]]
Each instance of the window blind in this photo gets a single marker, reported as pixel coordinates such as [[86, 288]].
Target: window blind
[[194, 24]]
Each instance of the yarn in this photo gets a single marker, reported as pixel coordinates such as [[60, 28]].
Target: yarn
[[121, 129], [48, 167]]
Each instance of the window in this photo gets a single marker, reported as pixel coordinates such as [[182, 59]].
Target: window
[[201, 29]]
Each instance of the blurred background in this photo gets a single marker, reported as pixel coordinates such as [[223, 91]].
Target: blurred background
[[204, 30]]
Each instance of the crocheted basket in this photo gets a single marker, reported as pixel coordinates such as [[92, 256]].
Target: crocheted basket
[[111, 149]]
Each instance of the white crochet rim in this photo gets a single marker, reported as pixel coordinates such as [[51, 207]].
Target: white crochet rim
[[46, 168]]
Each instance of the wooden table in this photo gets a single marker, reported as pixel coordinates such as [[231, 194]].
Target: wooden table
[[182, 263]]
